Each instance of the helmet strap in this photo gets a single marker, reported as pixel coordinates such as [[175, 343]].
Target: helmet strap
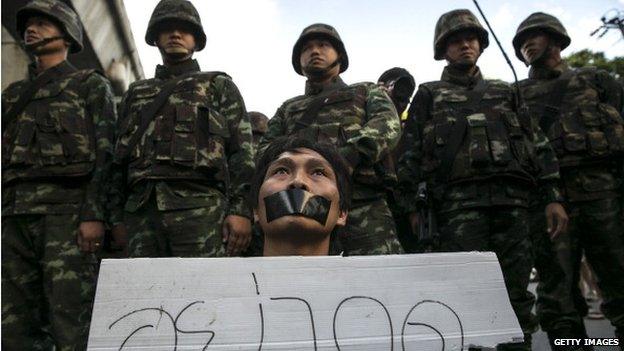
[[321, 73], [33, 46]]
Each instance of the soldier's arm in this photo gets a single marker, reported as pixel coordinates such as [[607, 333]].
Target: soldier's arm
[[547, 165], [101, 107], [117, 180], [610, 90], [379, 135], [408, 169], [239, 148], [275, 129]]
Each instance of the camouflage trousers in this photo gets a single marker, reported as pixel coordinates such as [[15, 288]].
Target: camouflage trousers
[[503, 230], [595, 228], [370, 229], [192, 232], [48, 285], [557, 301]]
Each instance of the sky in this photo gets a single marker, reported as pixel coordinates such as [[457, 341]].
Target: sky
[[252, 40]]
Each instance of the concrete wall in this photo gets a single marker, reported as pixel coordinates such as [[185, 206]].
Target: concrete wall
[[14, 60], [108, 41]]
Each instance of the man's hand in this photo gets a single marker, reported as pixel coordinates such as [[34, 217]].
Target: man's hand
[[414, 220], [119, 234], [90, 235], [556, 219], [236, 233]]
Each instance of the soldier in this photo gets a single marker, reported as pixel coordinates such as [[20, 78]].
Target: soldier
[[360, 119], [579, 110], [184, 155], [259, 123], [479, 159], [400, 85], [56, 154]]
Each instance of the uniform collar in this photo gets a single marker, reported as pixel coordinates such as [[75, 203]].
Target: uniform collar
[[457, 76], [60, 70], [548, 73], [166, 72], [317, 88]]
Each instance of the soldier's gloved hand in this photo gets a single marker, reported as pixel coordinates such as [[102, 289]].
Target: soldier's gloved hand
[[414, 220], [556, 219], [90, 236], [236, 234]]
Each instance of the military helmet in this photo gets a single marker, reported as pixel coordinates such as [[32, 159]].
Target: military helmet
[[57, 11], [179, 10], [259, 122], [453, 22], [542, 21], [319, 30]]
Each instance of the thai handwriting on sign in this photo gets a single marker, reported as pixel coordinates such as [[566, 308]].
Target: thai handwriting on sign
[[210, 335]]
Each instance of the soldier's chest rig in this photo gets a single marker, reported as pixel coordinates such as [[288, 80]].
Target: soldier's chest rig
[[173, 131], [581, 129], [330, 117], [49, 131], [474, 135]]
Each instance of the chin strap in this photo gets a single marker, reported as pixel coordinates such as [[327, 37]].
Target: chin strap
[[42, 42], [325, 70]]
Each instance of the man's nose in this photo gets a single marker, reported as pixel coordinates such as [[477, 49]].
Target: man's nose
[[30, 29], [299, 182]]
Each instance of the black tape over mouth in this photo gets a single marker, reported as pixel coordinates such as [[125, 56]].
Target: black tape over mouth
[[297, 202]]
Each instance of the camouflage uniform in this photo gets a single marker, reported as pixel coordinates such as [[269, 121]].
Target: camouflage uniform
[[587, 133], [56, 156], [362, 121], [400, 85], [191, 167], [259, 127], [481, 202]]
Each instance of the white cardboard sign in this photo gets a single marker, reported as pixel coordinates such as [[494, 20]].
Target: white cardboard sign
[[401, 302]]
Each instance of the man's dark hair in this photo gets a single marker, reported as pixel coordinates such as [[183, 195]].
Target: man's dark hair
[[292, 144]]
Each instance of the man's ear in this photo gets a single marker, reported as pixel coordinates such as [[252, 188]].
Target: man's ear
[[342, 218]]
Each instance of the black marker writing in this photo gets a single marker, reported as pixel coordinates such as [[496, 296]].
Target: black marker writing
[[174, 322], [368, 298]]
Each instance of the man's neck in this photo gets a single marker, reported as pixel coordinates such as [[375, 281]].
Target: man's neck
[[43, 62], [277, 247], [323, 80]]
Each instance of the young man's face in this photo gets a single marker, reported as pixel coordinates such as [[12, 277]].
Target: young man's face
[[309, 171], [462, 48], [39, 28], [317, 55], [534, 46], [176, 40]]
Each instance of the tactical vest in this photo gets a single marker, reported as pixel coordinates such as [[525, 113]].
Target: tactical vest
[[185, 140], [340, 117], [53, 136], [581, 129], [494, 142]]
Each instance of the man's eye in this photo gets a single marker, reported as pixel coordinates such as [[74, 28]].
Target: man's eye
[[319, 172], [280, 170]]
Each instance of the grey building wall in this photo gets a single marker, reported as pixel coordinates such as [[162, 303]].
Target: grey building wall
[[108, 40]]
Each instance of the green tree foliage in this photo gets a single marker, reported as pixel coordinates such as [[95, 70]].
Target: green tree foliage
[[586, 57]]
